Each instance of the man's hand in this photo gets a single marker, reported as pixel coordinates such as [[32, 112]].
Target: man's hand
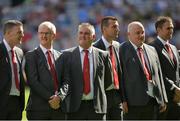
[[54, 101], [162, 108], [177, 95], [125, 107]]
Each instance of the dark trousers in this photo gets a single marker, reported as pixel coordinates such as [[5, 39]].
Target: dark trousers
[[12, 111], [86, 112], [46, 115], [146, 112], [172, 112], [114, 106]]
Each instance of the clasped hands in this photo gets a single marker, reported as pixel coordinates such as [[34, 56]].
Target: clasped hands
[[54, 101], [162, 108]]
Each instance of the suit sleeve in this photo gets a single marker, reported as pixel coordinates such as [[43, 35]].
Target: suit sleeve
[[161, 78], [63, 74], [33, 76], [122, 83]]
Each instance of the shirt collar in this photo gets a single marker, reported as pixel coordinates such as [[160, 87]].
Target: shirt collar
[[89, 49], [106, 43], [45, 50], [163, 41], [135, 47], [7, 45]]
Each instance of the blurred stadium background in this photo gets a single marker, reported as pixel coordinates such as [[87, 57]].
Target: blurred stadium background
[[67, 14]]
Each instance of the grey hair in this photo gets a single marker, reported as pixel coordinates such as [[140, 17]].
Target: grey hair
[[50, 25], [90, 26]]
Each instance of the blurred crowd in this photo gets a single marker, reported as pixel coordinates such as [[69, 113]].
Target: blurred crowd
[[67, 14]]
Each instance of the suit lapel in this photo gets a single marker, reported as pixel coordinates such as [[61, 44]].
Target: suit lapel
[[42, 57], [116, 47], [164, 52], [116, 51], [174, 52], [55, 55], [18, 57], [135, 58], [95, 61], [77, 61], [174, 55], [7, 59], [101, 44], [19, 60], [149, 59]]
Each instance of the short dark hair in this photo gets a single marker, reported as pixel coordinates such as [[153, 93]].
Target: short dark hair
[[161, 20], [9, 24], [105, 20]]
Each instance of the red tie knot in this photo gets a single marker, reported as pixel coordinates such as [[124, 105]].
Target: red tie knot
[[48, 51], [139, 48], [167, 46], [12, 50], [110, 47], [86, 51]]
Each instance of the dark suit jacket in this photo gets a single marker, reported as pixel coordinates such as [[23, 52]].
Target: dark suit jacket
[[40, 80], [134, 81], [170, 70], [99, 44], [179, 60], [102, 79], [63, 77], [5, 76]]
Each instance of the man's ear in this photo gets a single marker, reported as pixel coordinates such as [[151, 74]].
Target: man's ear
[[54, 36], [158, 29], [94, 37]]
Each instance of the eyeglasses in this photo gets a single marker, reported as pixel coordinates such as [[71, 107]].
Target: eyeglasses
[[45, 33]]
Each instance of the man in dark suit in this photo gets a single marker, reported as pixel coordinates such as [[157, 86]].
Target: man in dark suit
[[89, 74], [143, 87], [110, 32], [169, 60], [40, 67], [12, 81]]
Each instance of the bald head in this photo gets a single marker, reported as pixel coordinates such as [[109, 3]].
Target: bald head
[[134, 24], [136, 33]]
